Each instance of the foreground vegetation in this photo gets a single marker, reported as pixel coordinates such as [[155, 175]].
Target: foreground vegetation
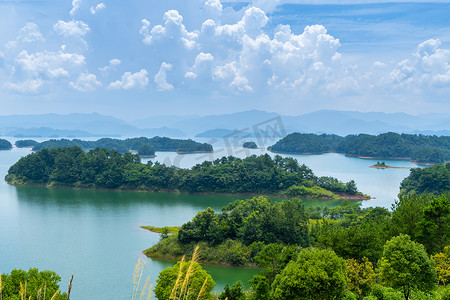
[[344, 252], [420, 148], [101, 168], [20, 284]]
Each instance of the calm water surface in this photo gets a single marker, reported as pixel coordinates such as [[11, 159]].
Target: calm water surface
[[96, 236]]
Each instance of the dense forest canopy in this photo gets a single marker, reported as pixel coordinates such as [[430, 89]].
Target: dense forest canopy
[[421, 148], [101, 168], [434, 180], [122, 146], [5, 144]]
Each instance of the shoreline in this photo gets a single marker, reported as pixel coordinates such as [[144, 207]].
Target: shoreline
[[341, 196], [358, 156], [208, 263]]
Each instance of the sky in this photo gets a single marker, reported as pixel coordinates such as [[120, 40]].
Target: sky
[[139, 58]]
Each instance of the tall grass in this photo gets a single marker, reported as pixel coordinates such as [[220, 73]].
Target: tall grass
[[182, 286]]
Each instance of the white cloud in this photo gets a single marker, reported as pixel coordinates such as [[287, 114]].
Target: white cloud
[[58, 72], [203, 63], [30, 33], [71, 28], [45, 62], [161, 78], [31, 86], [85, 82], [129, 81], [75, 6], [214, 8], [173, 29], [99, 6], [112, 64]]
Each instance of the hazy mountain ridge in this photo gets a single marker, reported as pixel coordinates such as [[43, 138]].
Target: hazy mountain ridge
[[323, 121]]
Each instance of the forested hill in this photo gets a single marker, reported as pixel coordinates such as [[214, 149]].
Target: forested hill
[[432, 180], [420, 148], [122, 146], [101, 168]]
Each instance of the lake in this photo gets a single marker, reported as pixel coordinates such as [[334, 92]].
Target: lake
[[96, 235]]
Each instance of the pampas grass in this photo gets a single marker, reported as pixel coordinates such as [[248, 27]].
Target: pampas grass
[[138, 271], [181, 289]]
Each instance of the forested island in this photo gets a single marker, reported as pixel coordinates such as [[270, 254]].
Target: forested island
[[26, 143], [102, 168], [250, 145], [142, 144], [420, 148], [5, 144]]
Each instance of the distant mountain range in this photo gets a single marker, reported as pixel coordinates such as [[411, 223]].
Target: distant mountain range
[[251, 123]]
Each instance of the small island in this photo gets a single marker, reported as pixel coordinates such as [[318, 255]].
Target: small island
[[380, 165], [26, 143], [5, 145], [250, 145]]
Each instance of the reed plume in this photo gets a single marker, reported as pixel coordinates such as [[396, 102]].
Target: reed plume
[[55, 295]]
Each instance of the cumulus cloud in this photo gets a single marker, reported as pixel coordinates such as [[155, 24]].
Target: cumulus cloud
[[112, 64], [243, 57], [161, 78], [75, 6], [71, 28], [214, 8], [30, 33], [85, 82], [173, 29], [203, 63], [30, 86], [98, 7], [130, 81], [46, 61]]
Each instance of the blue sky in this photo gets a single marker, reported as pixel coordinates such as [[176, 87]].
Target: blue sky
[[137, 58]]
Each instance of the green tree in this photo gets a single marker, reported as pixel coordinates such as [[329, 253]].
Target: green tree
[[435, 225], [260, 288], [316, 274], [235, 293], [35, 281], [406, 266], [184, 278], [361, 275]]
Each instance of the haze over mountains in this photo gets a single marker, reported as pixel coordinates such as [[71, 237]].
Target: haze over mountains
[[324, 121]]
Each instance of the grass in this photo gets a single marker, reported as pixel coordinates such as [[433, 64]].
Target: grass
[[181, 290], [171, 230]]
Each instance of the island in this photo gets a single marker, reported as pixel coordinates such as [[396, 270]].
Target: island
[[108, 169], [390, 145], [250, 145], [123, 146], [5, 145], [26, 143]]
